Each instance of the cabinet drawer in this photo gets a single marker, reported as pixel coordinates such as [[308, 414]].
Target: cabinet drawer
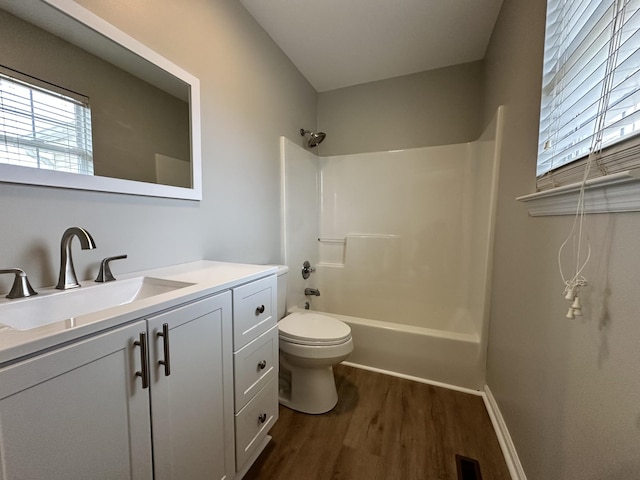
[[254, 421], [254, 310], [254, 366]]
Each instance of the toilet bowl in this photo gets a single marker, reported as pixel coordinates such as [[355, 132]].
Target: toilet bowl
[[310, 345]]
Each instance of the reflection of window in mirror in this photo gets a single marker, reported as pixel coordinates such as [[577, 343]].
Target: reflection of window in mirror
[[43, 126]]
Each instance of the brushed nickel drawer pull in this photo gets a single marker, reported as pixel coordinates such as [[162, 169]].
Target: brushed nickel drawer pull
[[262, 364], [144, 373], [259, 310], [165, 344], [262, 418]]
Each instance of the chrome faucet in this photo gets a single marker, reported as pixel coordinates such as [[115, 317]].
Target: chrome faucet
[[67, 278], [312, 291]]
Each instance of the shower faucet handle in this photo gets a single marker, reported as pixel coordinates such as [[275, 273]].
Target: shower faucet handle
[[307, 269]]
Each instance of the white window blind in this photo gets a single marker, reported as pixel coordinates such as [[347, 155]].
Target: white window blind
[[42, 127], [590, 90]]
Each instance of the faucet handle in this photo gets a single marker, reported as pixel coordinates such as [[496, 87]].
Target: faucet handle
[[307, 269], [105, 275], [21, 287]]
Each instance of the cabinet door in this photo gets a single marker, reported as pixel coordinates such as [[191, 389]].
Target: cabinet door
[[77, 413], [192, 406]]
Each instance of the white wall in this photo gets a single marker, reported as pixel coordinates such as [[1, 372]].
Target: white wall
[[251, 94], [569, 390]]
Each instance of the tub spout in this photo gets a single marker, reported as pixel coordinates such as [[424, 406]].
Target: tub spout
[[312, 291]]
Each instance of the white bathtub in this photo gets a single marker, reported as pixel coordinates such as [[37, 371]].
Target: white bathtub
[[452, 359], [402, 245]]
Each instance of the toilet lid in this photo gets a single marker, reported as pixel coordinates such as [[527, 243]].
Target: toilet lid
[[313, 329]]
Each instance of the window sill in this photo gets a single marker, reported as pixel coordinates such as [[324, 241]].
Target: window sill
[[619, 192]]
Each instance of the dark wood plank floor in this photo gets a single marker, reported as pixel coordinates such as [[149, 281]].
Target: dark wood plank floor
[[383, 428]]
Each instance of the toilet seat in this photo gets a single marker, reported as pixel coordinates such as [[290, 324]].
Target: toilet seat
[[313, 329]]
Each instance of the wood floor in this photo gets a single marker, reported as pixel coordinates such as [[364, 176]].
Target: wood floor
[[383, 428]]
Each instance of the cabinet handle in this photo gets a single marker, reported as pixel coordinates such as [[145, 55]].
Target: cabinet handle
[[262, 364], [142, 343], [259, 310], [262, 418], [165, 344]]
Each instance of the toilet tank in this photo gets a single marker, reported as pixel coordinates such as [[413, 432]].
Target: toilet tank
[[282, 273]]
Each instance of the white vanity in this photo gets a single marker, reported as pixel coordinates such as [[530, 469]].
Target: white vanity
[[177, 384], [164, 374]]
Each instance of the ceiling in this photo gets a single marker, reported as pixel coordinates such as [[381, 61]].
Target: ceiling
[[339, 43]]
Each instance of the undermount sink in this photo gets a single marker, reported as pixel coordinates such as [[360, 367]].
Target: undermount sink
[[57, 306]]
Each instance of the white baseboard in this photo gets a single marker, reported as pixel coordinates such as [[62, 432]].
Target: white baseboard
[[414, 379], [508, 449]]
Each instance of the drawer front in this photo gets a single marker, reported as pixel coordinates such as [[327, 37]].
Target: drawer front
[[254, 422], [254, 310], [254, 366]]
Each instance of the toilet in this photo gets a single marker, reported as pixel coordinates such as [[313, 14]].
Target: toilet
[[310, 345]]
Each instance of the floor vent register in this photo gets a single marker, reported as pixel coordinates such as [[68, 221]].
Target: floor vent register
[[468, 468]]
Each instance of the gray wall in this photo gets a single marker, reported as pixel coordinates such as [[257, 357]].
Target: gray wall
[[251, 94], [569, 390], [437, 107]]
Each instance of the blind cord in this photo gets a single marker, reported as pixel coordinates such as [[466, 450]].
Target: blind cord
[[573, 285]]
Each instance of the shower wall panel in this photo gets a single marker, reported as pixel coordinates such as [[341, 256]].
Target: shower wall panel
[[407, 219], [401, 236], [300, 215]]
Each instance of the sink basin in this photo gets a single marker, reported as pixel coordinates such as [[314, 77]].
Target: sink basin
[[66, 305]]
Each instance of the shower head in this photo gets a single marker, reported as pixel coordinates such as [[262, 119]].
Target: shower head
[[315, 139]]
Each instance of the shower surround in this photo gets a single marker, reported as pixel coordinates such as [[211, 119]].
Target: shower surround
[[402, 244]]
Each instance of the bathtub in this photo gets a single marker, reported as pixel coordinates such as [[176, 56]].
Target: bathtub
[[402, 245], [453, 359]]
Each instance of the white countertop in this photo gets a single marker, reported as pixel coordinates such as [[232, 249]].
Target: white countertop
[[207, 278]]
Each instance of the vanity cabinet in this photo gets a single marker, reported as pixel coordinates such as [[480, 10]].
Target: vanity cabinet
[[102, 407], [255, 364], [191, 406], [72, 414]]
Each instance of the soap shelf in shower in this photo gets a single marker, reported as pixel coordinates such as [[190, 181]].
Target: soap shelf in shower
[[335, 241], [334, 251], [331, 251]]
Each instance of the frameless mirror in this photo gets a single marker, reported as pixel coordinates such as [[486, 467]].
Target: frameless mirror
[[143, 136]]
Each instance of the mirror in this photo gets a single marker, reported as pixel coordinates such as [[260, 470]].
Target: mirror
[[145, 110]]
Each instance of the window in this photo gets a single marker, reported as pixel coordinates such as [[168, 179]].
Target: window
[[43, 126], [590, 90]]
